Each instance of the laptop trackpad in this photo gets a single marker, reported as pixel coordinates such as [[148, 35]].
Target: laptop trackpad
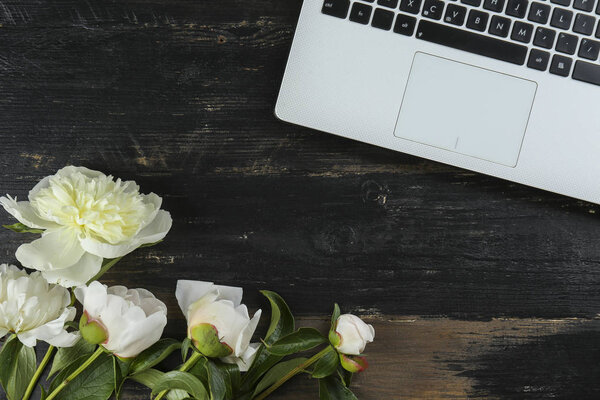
[[465, 109]]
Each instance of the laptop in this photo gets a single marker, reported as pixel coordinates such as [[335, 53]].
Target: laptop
[[508, 88]]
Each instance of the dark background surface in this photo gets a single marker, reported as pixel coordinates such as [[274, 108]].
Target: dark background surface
[[477, 287]]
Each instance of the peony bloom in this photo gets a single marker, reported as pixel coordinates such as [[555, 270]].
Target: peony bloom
[[353, 334], [86, 216], [125, 322], [218, 324], [33, 309]]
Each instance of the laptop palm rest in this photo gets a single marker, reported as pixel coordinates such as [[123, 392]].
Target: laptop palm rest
[[465, 109]]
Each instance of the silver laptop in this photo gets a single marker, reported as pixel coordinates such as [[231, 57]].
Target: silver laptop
[[509, 88]]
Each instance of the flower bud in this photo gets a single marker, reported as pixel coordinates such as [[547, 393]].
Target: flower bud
[[353, 364], [218, 323], [206, 339], [351, 334], [92, 330], [124, 321]]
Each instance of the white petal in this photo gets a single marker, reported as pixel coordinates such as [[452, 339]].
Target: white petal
[[188, 292], [3, 332], [245, 361], [66, 171], [64, 339], [154, 232], [25, 214], [54, 331], [93, 298], [56, 249], [139, 336], [246, 334], [27, 339], [78, 274]]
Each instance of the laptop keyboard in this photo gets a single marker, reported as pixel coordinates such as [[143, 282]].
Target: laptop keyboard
[[560, 37]]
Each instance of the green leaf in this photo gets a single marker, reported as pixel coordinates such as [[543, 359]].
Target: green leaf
[[20, 228], [233, 378], [66, 355], [185, 348], [121, 371], [216, 381], [17, 366], [183, 381], [149, 244], [335, 315], [276, 373], [327, 365], [345, 376], [282, 320], [150, 377], [154, 355], [199, 370], [331, 388], [282, 324], [301, 340], [96, 382]]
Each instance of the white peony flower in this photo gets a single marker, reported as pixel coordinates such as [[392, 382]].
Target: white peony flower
[[86, 216], [125, 322], [353, 334], [218, 324], [33, 309]]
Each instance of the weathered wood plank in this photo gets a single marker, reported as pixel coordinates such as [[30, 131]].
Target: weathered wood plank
[[179, 96]]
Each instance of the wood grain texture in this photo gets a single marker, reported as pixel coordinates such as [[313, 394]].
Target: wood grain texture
[[179, 95]]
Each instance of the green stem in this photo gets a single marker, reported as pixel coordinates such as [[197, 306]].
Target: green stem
[[104, 269], [293, 373], [185, 367], [75, 373], [38, 372]]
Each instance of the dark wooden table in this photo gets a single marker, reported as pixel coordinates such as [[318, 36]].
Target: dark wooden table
[[477, 287]]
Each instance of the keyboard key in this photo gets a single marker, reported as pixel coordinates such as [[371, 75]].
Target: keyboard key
[[477, 20], [587, 72], [566, 43], [360, 13], [598, 31], [472, 42], [544, 37], [584, 24], [589, 49], [336, 8], [565, 3], [388, 3], [517, 8], [522, 32], [584, 5], [494, 5], [433, 9], [382, 19], [560, 65], [410, 6], [598, 8], [499, 26], [538, 59], [539, 13], [474, 3], [561, 18], [455, 15], [405, 24]]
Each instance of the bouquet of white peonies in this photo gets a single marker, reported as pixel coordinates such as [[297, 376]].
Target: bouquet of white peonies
[[88, 221]]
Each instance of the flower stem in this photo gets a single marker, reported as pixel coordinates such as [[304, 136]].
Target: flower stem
[[38, 372], [185, 367], [75, 373], [104, 269], [293, 373]]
